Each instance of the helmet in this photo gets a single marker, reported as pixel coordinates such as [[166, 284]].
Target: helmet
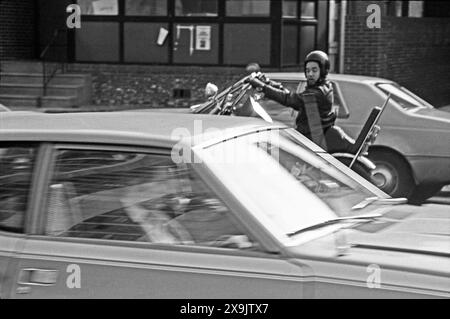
[[321, 58], [252, 67]]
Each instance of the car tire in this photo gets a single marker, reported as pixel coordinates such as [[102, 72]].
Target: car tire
[[392, 173]]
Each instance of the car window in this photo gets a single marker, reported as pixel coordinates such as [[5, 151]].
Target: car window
[[286, 186], [339, 106], [337, 194], [16, 171], [136, 197], [406, 99]]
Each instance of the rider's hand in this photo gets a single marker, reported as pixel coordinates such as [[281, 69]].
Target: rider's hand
[[256, 83]]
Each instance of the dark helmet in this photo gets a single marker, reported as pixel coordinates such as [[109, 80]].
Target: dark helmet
[[322, 59], [252, 67]]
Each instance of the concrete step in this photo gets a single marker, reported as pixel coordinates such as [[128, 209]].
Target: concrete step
[[36, 78], [21, 100], [25, 66], [38, 89], [12, 100]]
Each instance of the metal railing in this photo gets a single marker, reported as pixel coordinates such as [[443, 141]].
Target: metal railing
[[53, 59]]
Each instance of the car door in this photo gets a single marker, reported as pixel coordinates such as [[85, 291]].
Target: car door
[[125, 223], [17, 168]]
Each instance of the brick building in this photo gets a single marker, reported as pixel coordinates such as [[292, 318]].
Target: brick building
[[157, 52]]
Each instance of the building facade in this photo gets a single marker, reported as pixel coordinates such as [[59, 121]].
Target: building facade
[[183, 44]]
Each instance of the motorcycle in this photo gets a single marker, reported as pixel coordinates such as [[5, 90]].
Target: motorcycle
[[241, 99]]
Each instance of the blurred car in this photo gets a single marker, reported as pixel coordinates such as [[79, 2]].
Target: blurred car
[[157, 205], [4, 108], [412, 151]]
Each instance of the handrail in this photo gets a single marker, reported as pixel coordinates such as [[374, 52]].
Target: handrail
[[48, 72]]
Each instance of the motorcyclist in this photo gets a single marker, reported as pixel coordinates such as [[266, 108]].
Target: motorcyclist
[[316, 116]]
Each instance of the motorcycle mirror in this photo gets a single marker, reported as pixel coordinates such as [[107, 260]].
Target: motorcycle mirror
[[260, 111], [211, 90]]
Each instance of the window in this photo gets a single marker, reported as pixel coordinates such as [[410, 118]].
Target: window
[[99, 7], [136, 197], [406, 8], [146, 8], [339, 106], [319, 180], [290, 8], [244, 43], [406, 99], [196, 8], [16, 168], [247, 8], [308, 9]]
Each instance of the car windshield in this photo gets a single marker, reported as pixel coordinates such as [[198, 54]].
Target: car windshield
[[406, 99], [287, 187]]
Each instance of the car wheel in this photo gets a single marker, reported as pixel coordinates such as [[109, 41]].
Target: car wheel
[[392, 174]]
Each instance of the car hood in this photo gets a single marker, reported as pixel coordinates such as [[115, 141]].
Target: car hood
[[416, 229]]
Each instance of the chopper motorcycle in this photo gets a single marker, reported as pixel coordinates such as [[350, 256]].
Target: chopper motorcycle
[[241, 99]]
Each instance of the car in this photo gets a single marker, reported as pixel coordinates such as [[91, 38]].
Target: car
[[4, 108], [412, 150], [164, 205]]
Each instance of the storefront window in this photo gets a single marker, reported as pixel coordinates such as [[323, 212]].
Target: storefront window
[[146, 7], [99, 7], [196, 44], [290, 8], [146, 42], [189, 8], [308, 9], [240, 8], [290, 44], [307, 41], [244, 43]]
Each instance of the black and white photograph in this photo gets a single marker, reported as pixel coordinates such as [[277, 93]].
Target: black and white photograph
[[224, 155]]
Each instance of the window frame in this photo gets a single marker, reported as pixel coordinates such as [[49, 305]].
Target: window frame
[[36, 182], [274, 21], [40, 214]]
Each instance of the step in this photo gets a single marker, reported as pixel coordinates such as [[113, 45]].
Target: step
[[36, 78], [21, 100], [24, 66], [37, 89]]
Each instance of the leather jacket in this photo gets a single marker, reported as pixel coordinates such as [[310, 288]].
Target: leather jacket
[[322, 91]]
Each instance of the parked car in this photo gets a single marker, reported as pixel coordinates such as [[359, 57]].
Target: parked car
[[4, 108], [412, 151], [157, 205]]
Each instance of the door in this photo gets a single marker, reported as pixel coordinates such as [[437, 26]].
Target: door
[[17, 162], [124, 223]]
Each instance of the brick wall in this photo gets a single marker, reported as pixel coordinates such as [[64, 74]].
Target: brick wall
[[152, 86], [411, 51], [17, 29]]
